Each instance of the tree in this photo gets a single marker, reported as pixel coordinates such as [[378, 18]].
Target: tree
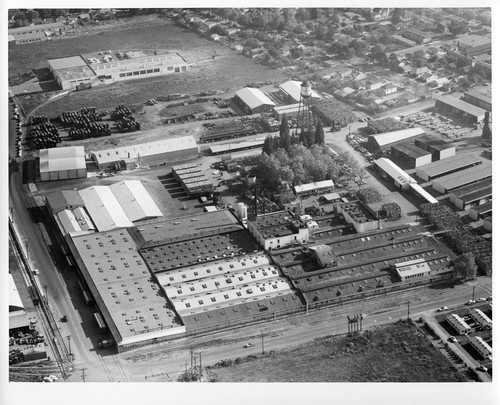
[[397, 15], [285, 134], [268, 145], [465, 267], [319, 133]]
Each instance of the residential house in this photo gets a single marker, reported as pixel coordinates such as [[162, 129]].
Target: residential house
[[428, 77], [359, 76], [390, 88], [374, 84], [420, 71]]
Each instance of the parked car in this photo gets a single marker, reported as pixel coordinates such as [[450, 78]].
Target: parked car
[[442, 309], [250, 344], [470, 302], [453, 339], [481, 299], [481, 368]]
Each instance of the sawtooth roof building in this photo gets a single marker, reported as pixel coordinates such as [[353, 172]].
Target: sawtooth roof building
[[150, 153], [62, 163], [473, 194], [253, 101]]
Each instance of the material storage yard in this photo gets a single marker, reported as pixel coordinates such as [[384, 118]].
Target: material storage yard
[[179, 215]]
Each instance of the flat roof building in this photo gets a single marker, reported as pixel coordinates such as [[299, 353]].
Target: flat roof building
[[62, 163], [412, 269], [473, 44], [478, 99], [439, 148], [474, 194], [481, 211], [447, 166], [387, 139], [483, 348], [192, 179], [411, 154], [458, 324], [392, 171], [150, 153], [278, 229], [456, 107], [455, 180], [253, 101]]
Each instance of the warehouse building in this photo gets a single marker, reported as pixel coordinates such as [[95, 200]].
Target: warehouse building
[[135, 200], [18, 318], [481, 318], [439, 148], [481, 211], [447, 166], [62, 163], [36, 33], [387, 139], [318, 187], [253, 101], [458, 324], [278, 229], [423, 195], [412, 155], [418, 36], [483, 348], [474, 194], [74, 70], [63, 200], [471, 45], [450, 105], [290, 110], [127, 296], [391, 171], [455, 180], [290, 92], [478, 99], [192, 179], [146, 154]]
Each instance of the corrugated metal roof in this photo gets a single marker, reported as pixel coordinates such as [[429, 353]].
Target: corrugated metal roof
[[387, 138], [135, 200], [394, 171], [451, 163], [253, 97], [463, 177], [462, 106], [56, 159], [313, 186], [145, 149], [104, 209], [61, 199], [292, 88], [68, 221]]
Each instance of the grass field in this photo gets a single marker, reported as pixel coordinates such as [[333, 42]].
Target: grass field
[[394, 353], [227, 71]]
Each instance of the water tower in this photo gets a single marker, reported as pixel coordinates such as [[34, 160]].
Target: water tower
[[304, 117]]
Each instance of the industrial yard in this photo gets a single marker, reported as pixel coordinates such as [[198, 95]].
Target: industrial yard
[[284, 223]]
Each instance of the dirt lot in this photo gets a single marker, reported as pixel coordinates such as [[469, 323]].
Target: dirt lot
[[394, 353]]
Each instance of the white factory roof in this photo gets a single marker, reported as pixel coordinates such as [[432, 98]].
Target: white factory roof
[[135, 200], [424, 194], [68, 221], [145, 149], [56, 159], [394, 171], [253, 97], [68, 62], [104, 208], [15, 302], [313, 186], [292, 88], [396, 136]]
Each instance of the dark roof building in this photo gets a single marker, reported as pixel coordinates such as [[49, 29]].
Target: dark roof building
[[64, 199], [455, 107], [439, 148], [461, 178], [447, 166], [478, 99], [411, 154]]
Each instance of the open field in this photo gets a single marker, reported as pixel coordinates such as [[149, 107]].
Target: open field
[[394, 353], [227, 70]]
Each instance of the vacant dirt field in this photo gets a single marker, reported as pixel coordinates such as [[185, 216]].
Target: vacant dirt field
[[395, 353]]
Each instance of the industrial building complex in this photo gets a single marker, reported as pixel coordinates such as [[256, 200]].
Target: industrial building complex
[[71, 71]]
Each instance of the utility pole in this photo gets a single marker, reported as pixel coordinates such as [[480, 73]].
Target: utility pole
[[262, 335], [201, 368], [83, 373], [69, 345], [473, 292], [46, 296], [408, 318]]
